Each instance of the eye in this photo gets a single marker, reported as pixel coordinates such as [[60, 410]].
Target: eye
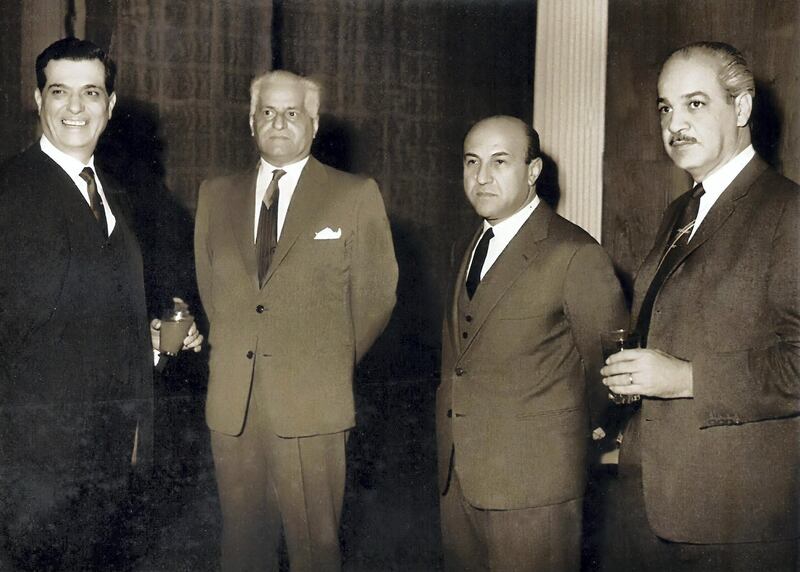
[[292, 113], [499, 161], [696, 104], [470, 162], [269, 113], [664, 109], [93, 92], [56, 91]]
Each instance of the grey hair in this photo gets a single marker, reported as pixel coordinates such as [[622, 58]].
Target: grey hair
[[734, 74], [311, 88]]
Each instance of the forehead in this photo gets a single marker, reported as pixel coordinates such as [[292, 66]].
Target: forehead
[[496, 136], [684, 75], [75, 72], [282, 94]]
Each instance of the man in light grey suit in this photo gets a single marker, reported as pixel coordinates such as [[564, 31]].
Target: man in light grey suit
[[297, 274], [521, 358]]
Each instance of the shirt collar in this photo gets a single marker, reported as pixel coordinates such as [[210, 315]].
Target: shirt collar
[[510, 226], [70, 164], [718, 181], [292, 171]]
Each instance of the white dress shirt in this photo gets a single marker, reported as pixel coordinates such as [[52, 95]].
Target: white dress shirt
[[504, 232], [73, 168], [716, 183], [286, 185]]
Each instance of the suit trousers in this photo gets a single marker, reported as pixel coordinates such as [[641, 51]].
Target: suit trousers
[[546, 538], [269, 484], [630, 544]]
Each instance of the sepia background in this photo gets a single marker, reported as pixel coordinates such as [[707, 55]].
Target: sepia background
[[403, 80]]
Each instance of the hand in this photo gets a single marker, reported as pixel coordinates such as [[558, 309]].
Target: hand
[[193, 340], [650, 373], [598, 434]]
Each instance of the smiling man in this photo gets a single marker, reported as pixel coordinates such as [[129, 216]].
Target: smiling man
[[521, 360], [75, 349], [297, 274], [709, 464]]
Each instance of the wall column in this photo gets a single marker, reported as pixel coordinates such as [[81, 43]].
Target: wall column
[[569, 102]]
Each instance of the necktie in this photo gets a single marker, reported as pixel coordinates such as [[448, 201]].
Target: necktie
[[267, 237], [95, 201], [679, 240], [474, 276]]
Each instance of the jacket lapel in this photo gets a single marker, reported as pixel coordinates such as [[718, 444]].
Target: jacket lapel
[[520, 253], [307, 199], [726, 203], [241, 214], [715, 219]]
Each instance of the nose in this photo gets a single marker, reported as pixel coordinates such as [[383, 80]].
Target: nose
[[75, 103], [484, 175], [279, 122], [676, 121]]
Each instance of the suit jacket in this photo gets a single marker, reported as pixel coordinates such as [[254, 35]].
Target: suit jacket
[[723, 466], [513, 405], [74, 340], [297, 340]]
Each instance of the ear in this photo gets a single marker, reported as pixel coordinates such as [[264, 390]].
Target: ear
[[252, 129], [534, 170], [315, 123], [744, 108], [37, 97], [112, 101]]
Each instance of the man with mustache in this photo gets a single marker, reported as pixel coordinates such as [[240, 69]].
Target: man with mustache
[[521, 358], [709, 463]]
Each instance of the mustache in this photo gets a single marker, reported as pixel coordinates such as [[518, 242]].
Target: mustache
[[681, 139]]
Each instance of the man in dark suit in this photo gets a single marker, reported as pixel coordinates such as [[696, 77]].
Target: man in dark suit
[[520, 366], [75, 351], [709, 464], [297, 274]]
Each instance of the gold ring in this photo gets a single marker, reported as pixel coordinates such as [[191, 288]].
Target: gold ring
[[630, 379]]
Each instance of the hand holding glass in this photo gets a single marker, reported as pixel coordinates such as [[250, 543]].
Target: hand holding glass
[[174, 328], [617, 341]]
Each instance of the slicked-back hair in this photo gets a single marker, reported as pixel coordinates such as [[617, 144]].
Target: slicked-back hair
[[311, 89], [76, 50], [734, 74]]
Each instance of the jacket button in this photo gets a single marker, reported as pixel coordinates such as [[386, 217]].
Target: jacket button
[[260, 309], [464, 335], [468, 318], [460, 372], [250, 355], [449, 413]]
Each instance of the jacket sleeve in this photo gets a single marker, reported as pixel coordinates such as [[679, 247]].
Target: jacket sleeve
[[374, 270], [760, 383], [594, 304], [202, 249], [34, 255]]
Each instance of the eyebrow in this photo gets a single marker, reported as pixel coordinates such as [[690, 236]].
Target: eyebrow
[[497, 154], [87, 86], [685, 96]]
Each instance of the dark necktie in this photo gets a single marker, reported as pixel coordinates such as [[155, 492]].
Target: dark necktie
[[679, 240], [267, 237], [95, 201], [474, 276]]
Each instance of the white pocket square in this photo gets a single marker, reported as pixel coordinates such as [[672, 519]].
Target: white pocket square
[[328, 233]]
